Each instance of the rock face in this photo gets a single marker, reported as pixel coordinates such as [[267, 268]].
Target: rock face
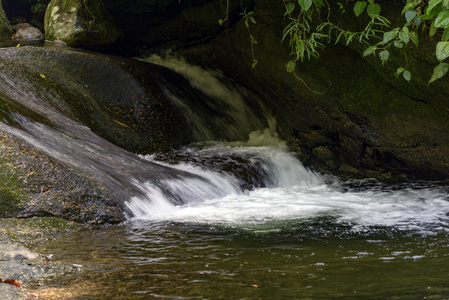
[[5, 33], [80, 23]]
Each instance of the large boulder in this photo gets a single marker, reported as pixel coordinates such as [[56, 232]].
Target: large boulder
[[51, 163], [5, 33], [119, 99], [80, 23]]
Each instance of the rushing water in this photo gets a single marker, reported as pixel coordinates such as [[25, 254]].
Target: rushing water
[[298, 236], [250, 223]]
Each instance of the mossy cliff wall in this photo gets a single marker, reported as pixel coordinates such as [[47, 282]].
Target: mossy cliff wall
[[364, 121], [5, 33]]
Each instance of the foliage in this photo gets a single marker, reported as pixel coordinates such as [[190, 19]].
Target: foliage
[[307, 32], [248, 17]]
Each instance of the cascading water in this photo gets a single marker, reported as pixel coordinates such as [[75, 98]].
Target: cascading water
[[234, 215], [283, 191]]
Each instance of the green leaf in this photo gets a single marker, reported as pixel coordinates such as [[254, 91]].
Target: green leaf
[[432, 29], [384, 55], [407, 75], [373, 9], [290, 66], [305, 4], [403, 36], [318, 3], [414, 38], [359, 7], [220, 22], [252, 20], [398, 44], [370, 50], [399, 71], [417, 20], [290, 8], [442, 50], [407, 7], [255, 62], [389, 35], [431, 13], [433, 3], [442, 20], [410, 15], [445, 35], [439, 72]]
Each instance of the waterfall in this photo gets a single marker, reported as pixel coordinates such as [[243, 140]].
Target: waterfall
[[236, 172], [216, 107], [281, 190]]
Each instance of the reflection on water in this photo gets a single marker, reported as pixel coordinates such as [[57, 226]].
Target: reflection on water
[[316, 260]]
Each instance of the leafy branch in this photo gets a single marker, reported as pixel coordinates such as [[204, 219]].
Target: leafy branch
[[248, 17]]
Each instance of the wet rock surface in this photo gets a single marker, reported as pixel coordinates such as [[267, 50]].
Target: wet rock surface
[[118, 99]]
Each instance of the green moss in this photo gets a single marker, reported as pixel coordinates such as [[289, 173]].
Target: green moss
[[35, 230], [11, 188], [5, 34]]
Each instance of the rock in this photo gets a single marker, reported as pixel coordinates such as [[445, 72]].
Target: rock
[[119, 99], [80, 24], [54, 165], [31, 185], [24, 31], [5, 33], [323, 153]]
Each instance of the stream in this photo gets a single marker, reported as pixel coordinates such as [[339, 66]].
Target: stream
[[302, 236], [279, 231]]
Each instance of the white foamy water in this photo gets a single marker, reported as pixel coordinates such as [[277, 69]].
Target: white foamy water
[[293, 193]]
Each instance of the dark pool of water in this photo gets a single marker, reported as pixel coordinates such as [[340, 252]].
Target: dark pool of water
[[304, 260]]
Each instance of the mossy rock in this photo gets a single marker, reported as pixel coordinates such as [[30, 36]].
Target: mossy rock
[[32, 231], [80, 23], [32, 185], [5, 33]]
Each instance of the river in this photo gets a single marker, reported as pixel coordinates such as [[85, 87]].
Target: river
[[279, 232]]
